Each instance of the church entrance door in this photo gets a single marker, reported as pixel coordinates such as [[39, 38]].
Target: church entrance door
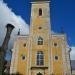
[[39, 73]]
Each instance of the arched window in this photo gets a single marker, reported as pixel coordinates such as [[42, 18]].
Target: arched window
[[40, 58], [40, 41], [40, 12]]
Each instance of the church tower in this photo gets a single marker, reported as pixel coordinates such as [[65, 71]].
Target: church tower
[[39, 38]]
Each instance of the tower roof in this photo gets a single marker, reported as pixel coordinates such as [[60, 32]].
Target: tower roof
[[39, 0]]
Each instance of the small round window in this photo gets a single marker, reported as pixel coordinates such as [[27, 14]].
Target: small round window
[[56, 57], [40, 28], [23, 57]]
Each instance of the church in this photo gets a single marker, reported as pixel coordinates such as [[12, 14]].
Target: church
[[40, 52]]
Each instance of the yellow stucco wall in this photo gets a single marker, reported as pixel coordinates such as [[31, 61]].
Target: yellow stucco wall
[[19, 65], [57, 67], [23, 50]]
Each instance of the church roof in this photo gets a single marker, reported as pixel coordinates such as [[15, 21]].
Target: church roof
[[39, 0]]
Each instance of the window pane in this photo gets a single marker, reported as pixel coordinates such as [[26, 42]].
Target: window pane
[[37, 62], [40, 58], [40, 41], [41, 62]]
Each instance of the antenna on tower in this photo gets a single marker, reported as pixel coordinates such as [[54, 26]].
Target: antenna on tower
[[18, 32]]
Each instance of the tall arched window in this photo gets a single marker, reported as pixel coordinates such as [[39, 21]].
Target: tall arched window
[[40, 58], [40, 12], [40, 41]]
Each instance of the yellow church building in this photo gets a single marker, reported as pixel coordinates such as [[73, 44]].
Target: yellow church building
[[40, 52]]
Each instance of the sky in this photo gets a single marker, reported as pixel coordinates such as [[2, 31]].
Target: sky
[[62, 14]]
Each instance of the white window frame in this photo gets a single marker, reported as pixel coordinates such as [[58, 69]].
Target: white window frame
[[38, 60]]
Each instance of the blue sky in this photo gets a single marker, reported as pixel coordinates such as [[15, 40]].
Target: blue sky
[[17, 12], [62, 15]]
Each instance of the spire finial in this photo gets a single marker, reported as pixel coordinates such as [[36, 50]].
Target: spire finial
[[19, 32]]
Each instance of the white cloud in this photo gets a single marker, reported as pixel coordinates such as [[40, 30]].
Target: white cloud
[[52, 32], [7, 16], [73, 53]]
